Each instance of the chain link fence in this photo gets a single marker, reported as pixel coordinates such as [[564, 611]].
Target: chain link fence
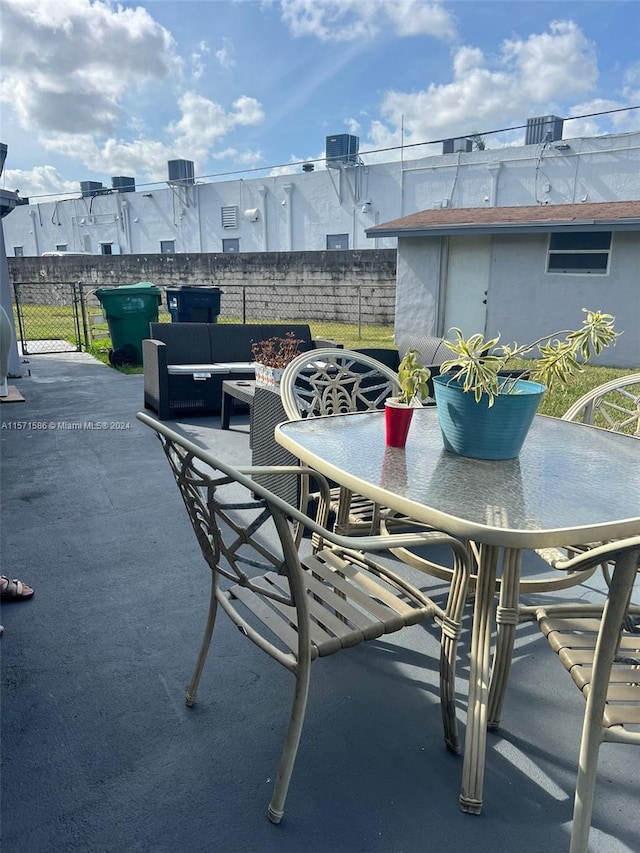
[[51, 317]]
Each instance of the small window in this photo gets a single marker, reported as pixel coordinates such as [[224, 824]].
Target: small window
[[229, 217], [18, 252], [232, 244], [579, 252], [337, 241], [106, 248], [167, 247], [61, 247]]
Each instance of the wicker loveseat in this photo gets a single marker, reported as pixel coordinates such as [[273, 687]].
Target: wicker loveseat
[[185, 364]]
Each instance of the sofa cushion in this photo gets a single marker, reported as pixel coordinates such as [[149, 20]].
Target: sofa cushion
[[221, 367], [232, 341], [187, 343]]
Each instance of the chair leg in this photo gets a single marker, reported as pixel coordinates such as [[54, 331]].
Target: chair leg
[[291, 741], [192, 689], [592, 733]]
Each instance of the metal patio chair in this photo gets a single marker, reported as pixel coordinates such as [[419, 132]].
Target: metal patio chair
[[333, 381], [600, 648], [615, 406], [298, 607]]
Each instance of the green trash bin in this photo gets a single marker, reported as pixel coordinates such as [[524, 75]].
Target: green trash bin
[[129, 310]]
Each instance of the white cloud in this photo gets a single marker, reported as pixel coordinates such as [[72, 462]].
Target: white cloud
[[72, 69], [631, 83], [204, 122], [40, 181], [351, 20], [246, 157], [143, 158], [531, 76], [621, 122], [69, 63], [197, 61], [226, 54], [561, 62]]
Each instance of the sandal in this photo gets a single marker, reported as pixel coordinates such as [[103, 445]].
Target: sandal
[[14, 590]]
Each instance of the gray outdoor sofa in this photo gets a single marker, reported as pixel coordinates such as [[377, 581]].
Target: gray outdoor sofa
[[185, 364]]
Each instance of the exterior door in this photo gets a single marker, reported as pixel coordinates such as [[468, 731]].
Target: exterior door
[[467, 284]]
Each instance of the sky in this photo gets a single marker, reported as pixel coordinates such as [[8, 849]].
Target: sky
[[91, 89]]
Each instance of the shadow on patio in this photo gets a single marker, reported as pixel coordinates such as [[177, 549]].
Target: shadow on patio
[[99, 750]]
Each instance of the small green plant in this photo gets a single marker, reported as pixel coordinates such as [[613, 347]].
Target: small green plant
[[413, 378], [478, 361]]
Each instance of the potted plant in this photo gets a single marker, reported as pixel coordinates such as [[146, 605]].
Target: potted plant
[[272, 356], [413, 379], [484, 409]]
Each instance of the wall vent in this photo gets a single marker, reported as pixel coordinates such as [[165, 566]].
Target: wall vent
[[229, 216], [543, 129]]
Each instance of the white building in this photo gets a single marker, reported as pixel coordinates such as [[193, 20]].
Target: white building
[[327, 208]]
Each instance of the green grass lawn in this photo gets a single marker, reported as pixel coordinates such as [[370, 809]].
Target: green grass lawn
[[46, 321]]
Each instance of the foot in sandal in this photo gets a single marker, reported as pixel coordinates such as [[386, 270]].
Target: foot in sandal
[[14, 590]]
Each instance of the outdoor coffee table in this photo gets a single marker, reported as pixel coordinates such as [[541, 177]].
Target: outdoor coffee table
[[235, 390], [572, 484]]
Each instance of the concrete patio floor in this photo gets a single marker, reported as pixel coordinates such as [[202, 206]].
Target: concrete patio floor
[[99, 751]]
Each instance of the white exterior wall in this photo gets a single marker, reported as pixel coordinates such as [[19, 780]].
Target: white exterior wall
[[524, 302], [330, 201]]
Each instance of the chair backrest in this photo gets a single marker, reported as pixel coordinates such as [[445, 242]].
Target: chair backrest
[[614, 405], [431, 350], [243, 529], [333, 381]]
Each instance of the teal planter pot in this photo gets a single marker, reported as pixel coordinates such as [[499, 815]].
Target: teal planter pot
[[482, 432]]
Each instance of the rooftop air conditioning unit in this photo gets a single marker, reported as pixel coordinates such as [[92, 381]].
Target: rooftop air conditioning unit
[[181, 171], [543, 129], [455, 146], [91, 188], [123, 184], [342, 150]]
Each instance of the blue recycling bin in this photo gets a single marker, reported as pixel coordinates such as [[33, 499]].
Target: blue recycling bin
[[193, 304]]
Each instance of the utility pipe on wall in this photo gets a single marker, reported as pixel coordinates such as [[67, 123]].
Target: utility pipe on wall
[[262, 192], [288, 189], [34, 231]]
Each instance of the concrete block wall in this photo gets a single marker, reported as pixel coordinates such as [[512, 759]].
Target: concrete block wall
[[305, 285]]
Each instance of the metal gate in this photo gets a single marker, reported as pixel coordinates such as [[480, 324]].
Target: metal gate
[[49, 318]]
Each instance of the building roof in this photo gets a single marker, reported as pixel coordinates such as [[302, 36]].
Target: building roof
[[597, 216]]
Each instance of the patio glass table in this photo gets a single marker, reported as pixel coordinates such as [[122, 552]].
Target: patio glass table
[[572, 484]]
